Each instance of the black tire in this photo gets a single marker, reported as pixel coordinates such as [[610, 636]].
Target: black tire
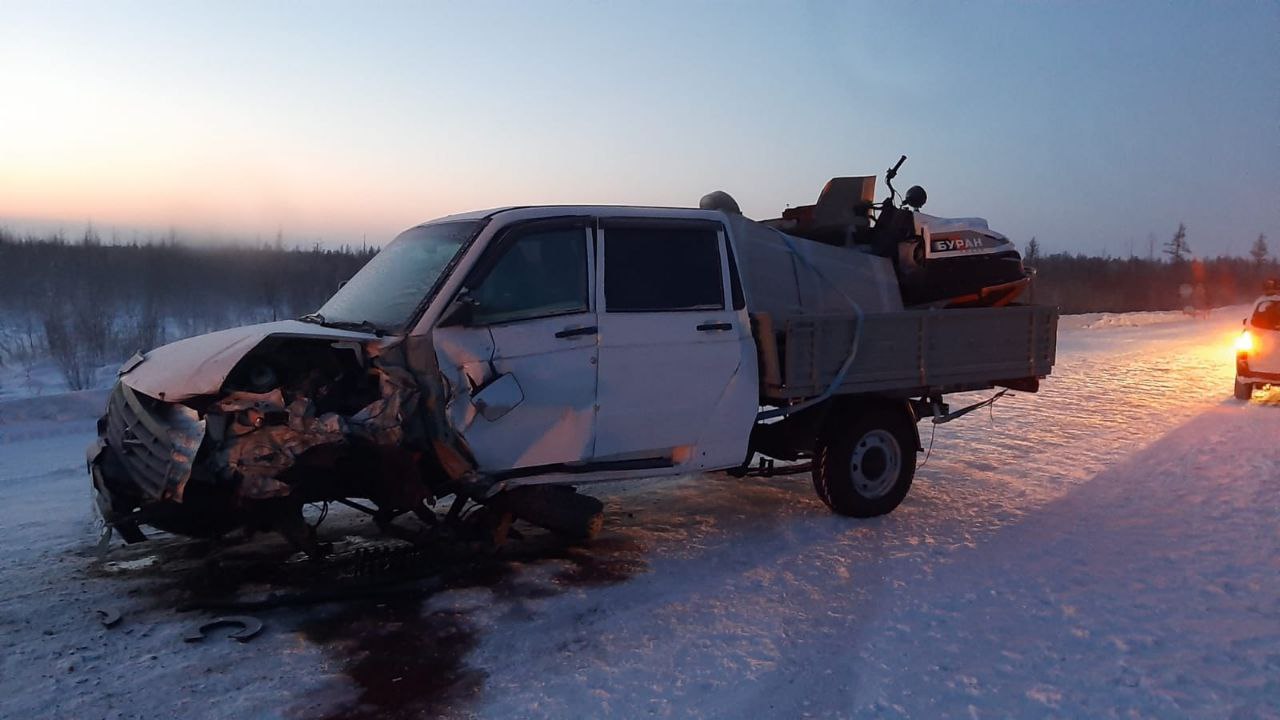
[[1244, 390], [864, 463], [559, 509]]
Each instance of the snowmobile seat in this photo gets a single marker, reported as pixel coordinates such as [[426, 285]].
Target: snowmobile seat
[[841, 215]]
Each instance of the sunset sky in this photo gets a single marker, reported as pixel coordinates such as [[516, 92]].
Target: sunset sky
[[1091, 125]]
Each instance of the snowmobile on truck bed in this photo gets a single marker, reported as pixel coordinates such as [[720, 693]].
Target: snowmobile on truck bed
[[946, 262], [496, 360]]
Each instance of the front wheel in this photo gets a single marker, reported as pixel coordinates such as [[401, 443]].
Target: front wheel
[[1244, 390], [863, 466]]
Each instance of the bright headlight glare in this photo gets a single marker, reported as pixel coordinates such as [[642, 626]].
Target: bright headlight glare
[[1244, 343]]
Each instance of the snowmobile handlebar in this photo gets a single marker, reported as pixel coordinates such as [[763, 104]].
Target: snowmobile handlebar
[[893, 171], [890, 175]]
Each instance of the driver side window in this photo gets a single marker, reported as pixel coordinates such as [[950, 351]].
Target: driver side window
[[541, 272]]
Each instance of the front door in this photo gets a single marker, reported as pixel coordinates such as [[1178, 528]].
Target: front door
[[524, 363], [678, 373]]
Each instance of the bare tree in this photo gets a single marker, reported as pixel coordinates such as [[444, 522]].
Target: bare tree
[[68, 354]]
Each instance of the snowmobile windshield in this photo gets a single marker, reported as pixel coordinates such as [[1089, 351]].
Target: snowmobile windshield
[[386, 293]]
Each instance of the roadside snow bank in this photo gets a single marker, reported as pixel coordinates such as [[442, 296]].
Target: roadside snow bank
[[50, 415], [1095, 321], [42, 378], [82, 405]]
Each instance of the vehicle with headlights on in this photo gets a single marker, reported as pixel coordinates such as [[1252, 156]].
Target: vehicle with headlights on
[[1258, 348]]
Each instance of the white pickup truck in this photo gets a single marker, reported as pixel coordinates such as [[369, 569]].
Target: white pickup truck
[[502, 358], [1258, 347]]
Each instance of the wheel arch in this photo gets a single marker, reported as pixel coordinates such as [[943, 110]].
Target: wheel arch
[[847, 407]]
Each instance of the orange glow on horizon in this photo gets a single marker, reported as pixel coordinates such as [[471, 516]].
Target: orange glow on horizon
[[221, 199]]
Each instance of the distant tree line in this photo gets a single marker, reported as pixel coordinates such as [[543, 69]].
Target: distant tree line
[[1080, 283], [86, 303]]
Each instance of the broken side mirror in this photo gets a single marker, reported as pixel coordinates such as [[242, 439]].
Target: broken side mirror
[[498, 397], [460, 311]]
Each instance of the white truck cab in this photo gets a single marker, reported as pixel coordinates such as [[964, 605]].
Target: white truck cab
[[1258, 348], [597, 343]]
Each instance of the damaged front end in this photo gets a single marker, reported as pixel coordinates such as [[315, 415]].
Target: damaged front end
[[271, 418], [294, 419]]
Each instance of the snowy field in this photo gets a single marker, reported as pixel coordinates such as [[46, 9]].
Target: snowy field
[[1107, 548]]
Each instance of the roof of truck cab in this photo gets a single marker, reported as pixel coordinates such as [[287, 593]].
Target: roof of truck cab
[[534, 211]]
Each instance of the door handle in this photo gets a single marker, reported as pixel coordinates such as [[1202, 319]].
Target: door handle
[[577, 332], [715, 326]]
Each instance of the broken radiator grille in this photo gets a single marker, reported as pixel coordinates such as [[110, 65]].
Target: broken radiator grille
[[155, 442]]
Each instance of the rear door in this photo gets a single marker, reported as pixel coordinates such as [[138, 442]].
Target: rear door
[[677, 375]]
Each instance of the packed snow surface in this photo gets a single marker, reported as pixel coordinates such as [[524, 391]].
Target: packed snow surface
[[1094, 321], [1106, 548]]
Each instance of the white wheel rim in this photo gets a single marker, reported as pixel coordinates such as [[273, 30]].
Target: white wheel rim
[[876, 463]]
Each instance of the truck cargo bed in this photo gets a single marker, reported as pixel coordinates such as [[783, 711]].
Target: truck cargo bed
[[908, 353]]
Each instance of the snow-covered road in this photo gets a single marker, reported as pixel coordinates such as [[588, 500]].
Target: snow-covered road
[[1109, 547]]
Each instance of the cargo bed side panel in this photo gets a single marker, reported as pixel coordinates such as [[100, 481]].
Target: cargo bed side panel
[[916, 349]]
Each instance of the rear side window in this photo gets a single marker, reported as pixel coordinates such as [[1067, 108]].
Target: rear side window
[[657, 269], [1267, 315]]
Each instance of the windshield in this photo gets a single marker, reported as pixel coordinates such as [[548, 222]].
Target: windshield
[[388, 290], [1267, 315]]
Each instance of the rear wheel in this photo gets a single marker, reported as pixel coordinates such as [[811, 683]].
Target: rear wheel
[[864, 463], [1244, 390]]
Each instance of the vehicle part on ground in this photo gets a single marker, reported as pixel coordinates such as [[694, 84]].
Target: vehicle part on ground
[[108, 617], [558, 508], [248, 628], [1243, 390], [865, 460]]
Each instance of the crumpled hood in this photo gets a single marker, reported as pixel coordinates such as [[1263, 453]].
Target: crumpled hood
[[199, 365]]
